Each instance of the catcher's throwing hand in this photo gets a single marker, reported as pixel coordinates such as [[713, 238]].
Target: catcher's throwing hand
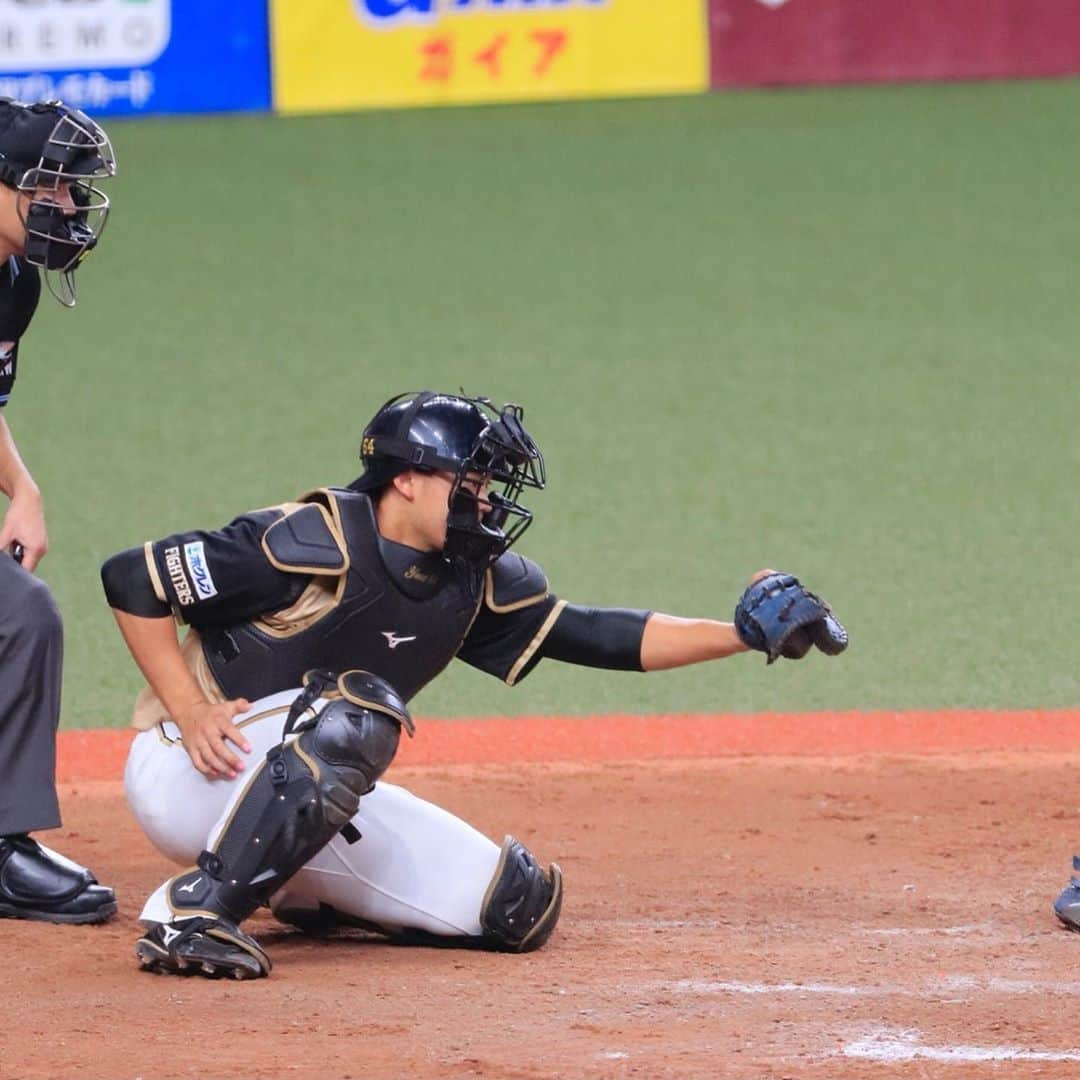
[[207, 730], [778, 616]]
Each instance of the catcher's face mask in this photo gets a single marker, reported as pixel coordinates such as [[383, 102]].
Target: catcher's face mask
[[64, 212], [487, 455], [482, 524]]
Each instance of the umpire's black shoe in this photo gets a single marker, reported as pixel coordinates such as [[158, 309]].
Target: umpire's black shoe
[[37, 883], [1067, 905]]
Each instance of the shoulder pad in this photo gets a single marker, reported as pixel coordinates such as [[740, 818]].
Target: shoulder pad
[[514, 582], [306, 541]]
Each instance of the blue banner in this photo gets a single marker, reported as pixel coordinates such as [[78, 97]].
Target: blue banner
[[123, 57]]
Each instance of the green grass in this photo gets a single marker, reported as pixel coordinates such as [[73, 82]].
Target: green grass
[[829, 331]]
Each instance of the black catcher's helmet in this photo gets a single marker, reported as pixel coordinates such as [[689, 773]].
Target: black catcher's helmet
[[464, 436], [43, 148]]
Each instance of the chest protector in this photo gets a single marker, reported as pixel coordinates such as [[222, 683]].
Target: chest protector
[[371, 605]]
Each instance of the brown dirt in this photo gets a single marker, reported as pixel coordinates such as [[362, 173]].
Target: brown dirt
[[873, 915]]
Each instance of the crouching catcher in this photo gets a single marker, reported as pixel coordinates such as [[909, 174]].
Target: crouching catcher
[[339, 736]]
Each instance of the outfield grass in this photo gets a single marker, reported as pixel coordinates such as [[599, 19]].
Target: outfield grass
[[829, 331]]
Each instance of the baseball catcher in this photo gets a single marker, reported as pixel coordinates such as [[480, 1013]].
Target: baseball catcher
[[310, 626]]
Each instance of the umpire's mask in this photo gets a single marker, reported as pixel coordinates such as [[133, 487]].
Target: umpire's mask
[[53, 154]]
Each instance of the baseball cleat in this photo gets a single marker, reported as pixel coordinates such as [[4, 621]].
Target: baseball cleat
[[1067, 905], [38, 883], [213, 948]]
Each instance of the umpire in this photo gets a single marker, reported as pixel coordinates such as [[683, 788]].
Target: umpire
[[51, 215]]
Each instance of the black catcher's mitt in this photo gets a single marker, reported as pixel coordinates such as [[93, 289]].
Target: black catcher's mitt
[[779, 617]]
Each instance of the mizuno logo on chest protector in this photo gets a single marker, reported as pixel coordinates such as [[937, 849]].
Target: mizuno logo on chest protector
[[393, 640]]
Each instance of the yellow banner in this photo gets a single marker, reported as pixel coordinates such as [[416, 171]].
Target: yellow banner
[[346, 54]]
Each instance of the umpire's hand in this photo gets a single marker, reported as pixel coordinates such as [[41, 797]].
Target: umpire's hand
[[24, 526], [206, 730]]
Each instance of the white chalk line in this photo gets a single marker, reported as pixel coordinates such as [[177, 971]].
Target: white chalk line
[[700, 986], [896, 1045], [888, 1045], [982, 929], [997, 985], [932, 990]]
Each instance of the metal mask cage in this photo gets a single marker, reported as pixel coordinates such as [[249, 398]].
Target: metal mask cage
[[77, 149], [76, 152], [506, 455]]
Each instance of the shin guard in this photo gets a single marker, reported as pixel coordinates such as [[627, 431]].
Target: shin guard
[[298, 798]]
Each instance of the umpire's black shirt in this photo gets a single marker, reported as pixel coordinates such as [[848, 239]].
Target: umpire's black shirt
[[20, 288]]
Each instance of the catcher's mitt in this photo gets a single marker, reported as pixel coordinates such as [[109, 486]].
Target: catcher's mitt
[[779, 617]]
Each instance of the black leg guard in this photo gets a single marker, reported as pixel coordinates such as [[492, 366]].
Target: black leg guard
[[523, 901], [302, 795]]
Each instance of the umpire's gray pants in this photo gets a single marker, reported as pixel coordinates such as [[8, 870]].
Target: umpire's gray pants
[[31, 657]]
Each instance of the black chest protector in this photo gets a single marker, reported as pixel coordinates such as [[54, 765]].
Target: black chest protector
[[373, 605]]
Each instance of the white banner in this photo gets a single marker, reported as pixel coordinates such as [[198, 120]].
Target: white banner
[[78, 34]]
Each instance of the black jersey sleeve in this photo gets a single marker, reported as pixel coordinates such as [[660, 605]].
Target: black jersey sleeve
[[516, 613], [520, 622], [128, 586], [20, 288], [511, 645], [213, 578], [597, 637], [505, 644]]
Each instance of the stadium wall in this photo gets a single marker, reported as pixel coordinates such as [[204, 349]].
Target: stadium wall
[[795, 42], [163, 56]]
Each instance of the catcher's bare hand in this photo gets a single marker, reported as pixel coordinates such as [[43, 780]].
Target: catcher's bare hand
[[207, 730]]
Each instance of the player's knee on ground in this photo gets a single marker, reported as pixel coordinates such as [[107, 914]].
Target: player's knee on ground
[[300, 796], [523, 901]]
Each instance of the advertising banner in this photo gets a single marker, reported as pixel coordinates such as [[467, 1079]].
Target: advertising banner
[[762, 42], [136, 56], [346, 54]]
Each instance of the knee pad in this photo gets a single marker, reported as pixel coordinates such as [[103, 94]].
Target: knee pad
[[522, 903], [298, 798], [354, 743]]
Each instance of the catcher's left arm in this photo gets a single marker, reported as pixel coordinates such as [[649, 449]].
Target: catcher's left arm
[[776, 615]]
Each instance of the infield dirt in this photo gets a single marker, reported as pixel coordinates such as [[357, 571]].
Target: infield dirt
[[757, 915]]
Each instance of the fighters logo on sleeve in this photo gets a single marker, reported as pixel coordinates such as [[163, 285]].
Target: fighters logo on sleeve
[[174, 567], [201, 580]]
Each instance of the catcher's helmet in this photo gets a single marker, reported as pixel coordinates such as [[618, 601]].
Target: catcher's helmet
[[467, 437], [44, 148]]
